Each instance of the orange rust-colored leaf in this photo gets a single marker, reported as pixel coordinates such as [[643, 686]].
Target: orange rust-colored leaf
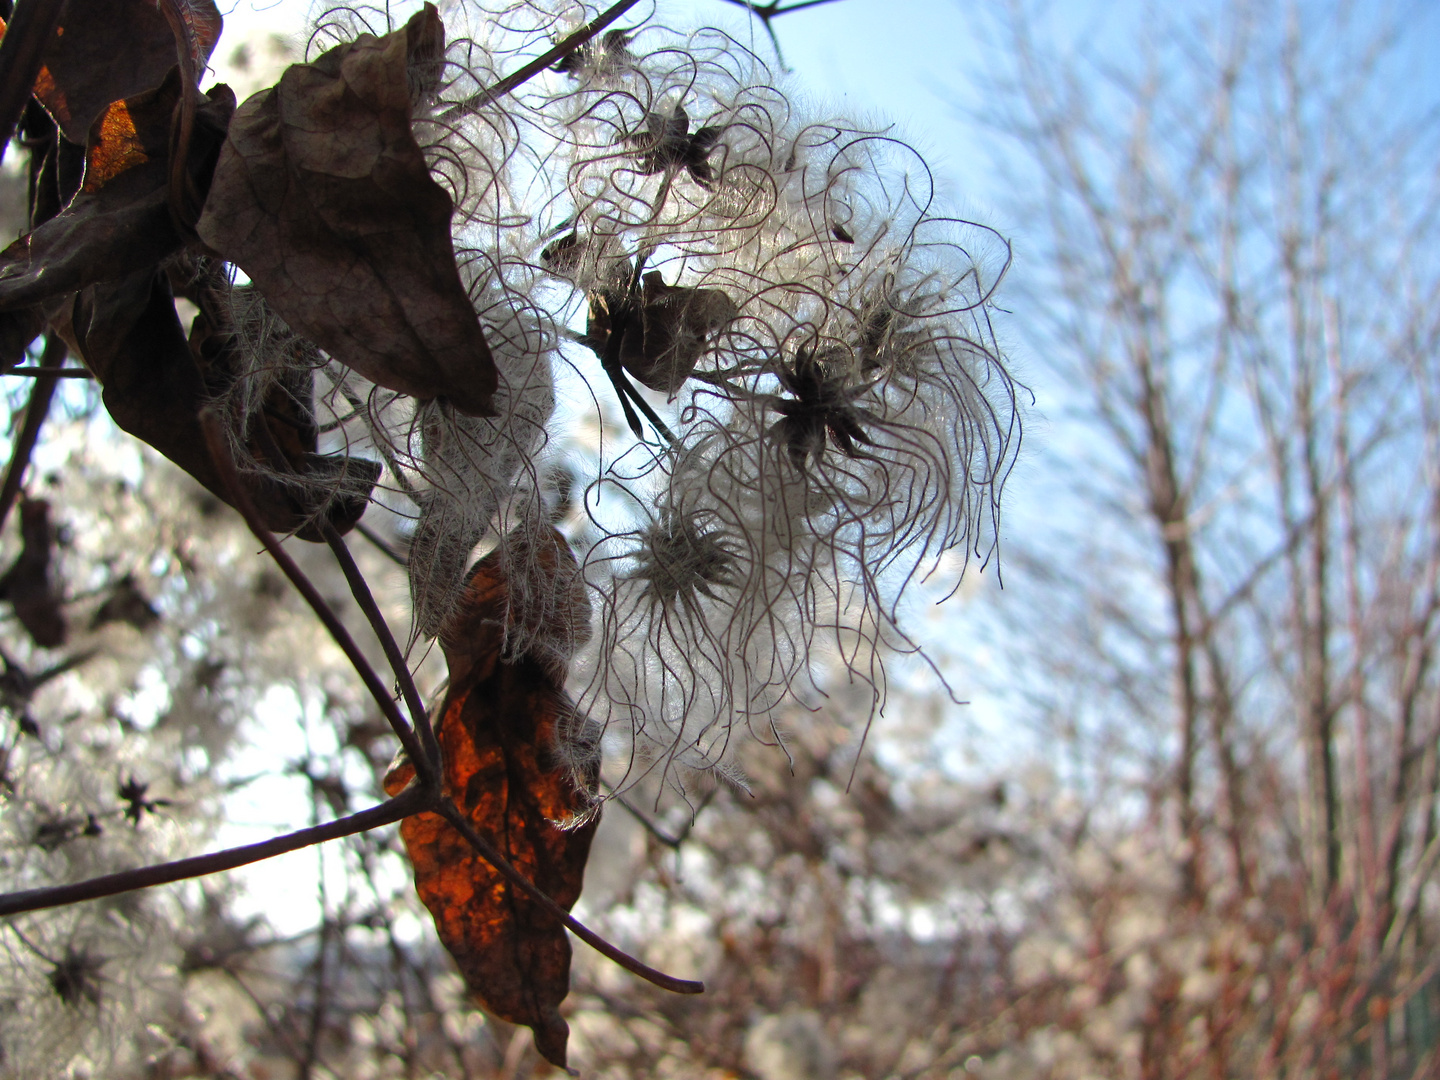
[[107, 50], [498, 730], [51, 96], [115, 146]]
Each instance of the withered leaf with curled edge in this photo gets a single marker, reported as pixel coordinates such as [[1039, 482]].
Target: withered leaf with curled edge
[[124, 225], [498, 730], [322, 196], [155, 386], [109, 50], [664, 328]]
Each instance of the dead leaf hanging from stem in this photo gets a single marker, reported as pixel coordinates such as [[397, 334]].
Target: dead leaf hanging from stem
[[322, 196], [499, 731]]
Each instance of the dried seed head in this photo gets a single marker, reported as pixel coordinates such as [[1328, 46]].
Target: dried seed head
[[76, 978], [679, 557]]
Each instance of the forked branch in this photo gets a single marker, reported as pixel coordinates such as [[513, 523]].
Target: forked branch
[[425, 766]]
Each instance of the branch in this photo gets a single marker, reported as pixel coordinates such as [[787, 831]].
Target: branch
[[425, 766], [360, 589], [62, 373], [566, 46], [655, 830], [380, 543], [766, 12], [408, 802], [21, 54], [35, 412], [490, 854]]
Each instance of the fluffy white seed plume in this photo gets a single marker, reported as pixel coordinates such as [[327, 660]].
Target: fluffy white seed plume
[[801, 343]]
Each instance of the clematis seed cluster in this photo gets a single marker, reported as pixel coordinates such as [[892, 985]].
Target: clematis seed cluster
[[744, 363]]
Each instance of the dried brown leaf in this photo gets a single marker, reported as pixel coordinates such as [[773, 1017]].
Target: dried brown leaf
[[108, 50], [322, 196], [155, 386], [17, 330], [498, 730], [124, 225], [28, 584], [663, 330]]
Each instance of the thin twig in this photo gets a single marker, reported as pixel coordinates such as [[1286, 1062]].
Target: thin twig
[[35, 412], [566, 46], [22, 52], [360, 589], [659, 834], [63, 373], [766, 12], [215, 439], [491, 855], [408, 802]]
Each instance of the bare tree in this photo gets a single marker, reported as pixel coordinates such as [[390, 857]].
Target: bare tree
[[387, 286], [1236, 228]]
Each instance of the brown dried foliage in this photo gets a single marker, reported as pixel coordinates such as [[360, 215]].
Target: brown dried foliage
[[498, 732], [323, 197], [108, 50], [29, 585], [122, 223], [662, 330]]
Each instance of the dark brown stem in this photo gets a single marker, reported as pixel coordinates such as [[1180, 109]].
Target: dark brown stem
[[408, 802], [63, 373], [490, 854], [35, 413], [21, 55], [430, 753], [425, 767], [360, 589], [655, 830], [566, 46]]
